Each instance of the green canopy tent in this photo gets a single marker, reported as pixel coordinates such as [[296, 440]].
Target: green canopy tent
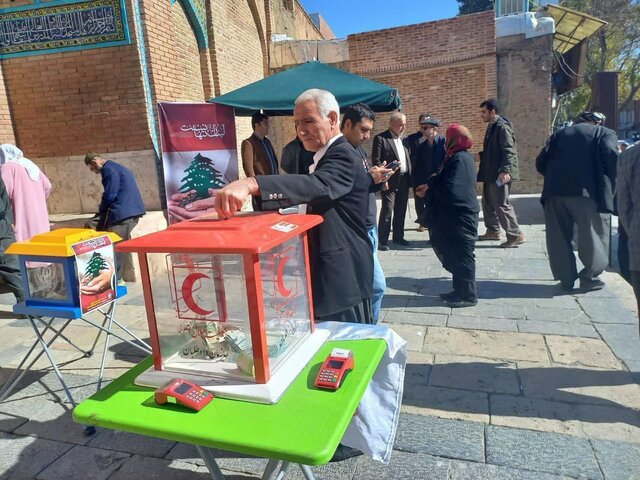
[[276, 94]]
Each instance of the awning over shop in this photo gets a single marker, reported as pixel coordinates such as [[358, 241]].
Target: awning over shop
[[275, 95], [571, 27]]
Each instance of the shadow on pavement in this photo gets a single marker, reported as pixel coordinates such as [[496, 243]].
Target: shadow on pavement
[[429, 288], [467, 385]]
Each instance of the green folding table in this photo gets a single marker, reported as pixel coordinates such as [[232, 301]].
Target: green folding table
[[304, 427]]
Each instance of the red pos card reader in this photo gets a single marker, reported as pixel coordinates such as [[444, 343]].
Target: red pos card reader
[[186, 393], [334, 369]]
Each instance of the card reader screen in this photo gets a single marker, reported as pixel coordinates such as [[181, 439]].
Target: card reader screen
[[337, 364], [182, 388]]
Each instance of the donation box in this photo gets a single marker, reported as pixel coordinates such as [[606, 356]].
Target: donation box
[[228, 299], [52, 276]]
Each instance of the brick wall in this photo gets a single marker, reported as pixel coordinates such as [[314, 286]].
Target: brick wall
[[174, 59], [65, 104], [6, 122], [524, 93], [446, 68]]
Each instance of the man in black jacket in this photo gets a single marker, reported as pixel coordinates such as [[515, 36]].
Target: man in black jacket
[[427, 160], [356, 127], [498, 168], [388, 147], [579, 168], [413, 142], [337, 188]]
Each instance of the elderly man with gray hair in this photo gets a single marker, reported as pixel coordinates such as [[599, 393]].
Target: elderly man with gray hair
[[390, 150], [337, 188]]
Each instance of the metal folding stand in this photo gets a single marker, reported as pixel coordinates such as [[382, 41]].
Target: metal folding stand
[[275, 470], [42, 323]]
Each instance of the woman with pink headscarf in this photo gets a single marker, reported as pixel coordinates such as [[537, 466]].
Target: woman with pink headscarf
[[452, 216], [28, 189]]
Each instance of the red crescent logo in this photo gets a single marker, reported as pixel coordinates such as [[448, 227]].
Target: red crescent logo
[[281, 288], [187, 294]]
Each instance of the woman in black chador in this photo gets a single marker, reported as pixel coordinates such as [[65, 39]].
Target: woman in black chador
[[452, 216]]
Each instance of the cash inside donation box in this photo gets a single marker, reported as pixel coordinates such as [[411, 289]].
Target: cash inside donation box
[[229, 303]]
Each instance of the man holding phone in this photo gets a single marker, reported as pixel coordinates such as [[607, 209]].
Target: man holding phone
[[389, 149]]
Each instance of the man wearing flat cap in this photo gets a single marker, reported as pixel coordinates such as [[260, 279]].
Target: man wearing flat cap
[[427, 159]]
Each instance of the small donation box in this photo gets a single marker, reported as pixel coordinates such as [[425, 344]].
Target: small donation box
[[70, 268], [229, 303]]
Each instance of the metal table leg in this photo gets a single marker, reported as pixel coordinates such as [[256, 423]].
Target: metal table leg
[[283, 470], [270, 469], [306, 471], [210, 462], [15, 378], [45, 347]]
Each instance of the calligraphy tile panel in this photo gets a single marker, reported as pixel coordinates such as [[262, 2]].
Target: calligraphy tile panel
[[77, 25]]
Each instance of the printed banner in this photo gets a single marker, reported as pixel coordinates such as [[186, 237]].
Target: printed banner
[[199, 155], [96, 272]]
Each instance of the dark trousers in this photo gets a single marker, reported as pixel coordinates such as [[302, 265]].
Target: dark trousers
[[123, 229], [561, 214], [420, 207], [497, 210], [360, 313], [10, 270], [394, 202], [635, 283], [623, 253]]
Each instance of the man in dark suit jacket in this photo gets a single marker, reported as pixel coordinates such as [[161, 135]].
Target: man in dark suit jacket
[[579, 168], [337, 188], [295, 159], [413, 143], [388, 147]]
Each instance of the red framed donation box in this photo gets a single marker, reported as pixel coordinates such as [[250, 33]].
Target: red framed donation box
[[230, 299]]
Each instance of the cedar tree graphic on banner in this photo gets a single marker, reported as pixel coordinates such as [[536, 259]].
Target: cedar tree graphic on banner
[[96, 263], [201, 176]]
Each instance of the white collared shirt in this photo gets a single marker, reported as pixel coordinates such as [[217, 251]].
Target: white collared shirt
[[320, 153], [302, 208], [402, 158]]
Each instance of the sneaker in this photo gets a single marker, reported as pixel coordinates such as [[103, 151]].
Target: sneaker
[[457, 302], [402, 242], [588, 285], [514, 242], [421, 228], [490, 235], [383, 248]]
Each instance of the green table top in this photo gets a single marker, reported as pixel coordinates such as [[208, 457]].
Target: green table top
[[305, 426]]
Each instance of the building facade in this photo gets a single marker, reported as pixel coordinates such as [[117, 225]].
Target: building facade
[[87, 76]]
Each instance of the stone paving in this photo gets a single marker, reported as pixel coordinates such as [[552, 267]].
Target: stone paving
[[529, 384]]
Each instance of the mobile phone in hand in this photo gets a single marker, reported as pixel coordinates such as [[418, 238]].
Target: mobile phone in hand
[[393, 165]]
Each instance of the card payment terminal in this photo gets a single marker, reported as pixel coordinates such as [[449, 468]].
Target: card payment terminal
[[334, 369], [186, 393]]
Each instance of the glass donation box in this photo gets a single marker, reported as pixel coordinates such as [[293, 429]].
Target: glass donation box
[[51, 276], [229, 302]]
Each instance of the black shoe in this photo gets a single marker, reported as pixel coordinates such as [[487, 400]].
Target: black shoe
[[383, 248], [343, 453], [567, 287], [448, 296], [402, 242], [457, 302], [591, 285]]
